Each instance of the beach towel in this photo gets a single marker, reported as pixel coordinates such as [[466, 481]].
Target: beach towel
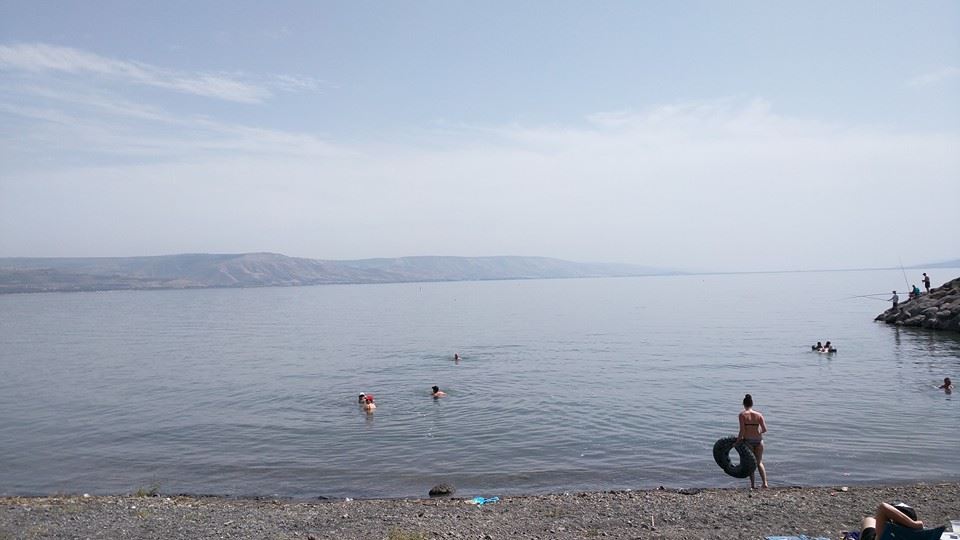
[[481, 501], [895, 532], [908, 534], [799, 537]]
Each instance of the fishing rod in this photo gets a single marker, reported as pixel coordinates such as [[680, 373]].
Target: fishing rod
[[866, 296], [905, 280]]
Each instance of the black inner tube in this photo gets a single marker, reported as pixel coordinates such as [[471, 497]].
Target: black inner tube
[[721, 454]]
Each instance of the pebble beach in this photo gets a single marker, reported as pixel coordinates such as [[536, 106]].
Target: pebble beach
[[660, 513]]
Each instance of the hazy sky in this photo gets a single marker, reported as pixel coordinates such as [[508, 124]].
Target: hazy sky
[[695, 135]]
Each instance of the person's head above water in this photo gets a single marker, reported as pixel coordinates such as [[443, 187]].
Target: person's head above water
[[436, 389], [947, 381], [748, 401], [360, 397]]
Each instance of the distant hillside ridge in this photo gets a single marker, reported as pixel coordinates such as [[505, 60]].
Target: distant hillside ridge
[[26, 275], [945, 264]]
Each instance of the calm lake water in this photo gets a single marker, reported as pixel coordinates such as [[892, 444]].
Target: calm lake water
[[563, 385]]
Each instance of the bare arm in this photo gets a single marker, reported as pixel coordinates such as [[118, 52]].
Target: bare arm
[[763, 424], [886, 512], [740, 434]]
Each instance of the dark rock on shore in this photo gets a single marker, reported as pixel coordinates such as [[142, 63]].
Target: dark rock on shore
[[938, 310], [442, 490]]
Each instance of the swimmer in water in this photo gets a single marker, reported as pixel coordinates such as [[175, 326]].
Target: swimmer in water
[[437, 392], [368, 404], [456, 357], [947, 385], [360, 398]]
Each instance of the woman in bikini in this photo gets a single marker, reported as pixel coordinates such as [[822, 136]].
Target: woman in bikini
[[752, 428]]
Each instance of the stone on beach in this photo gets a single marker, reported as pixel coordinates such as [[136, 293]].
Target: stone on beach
[[442, 490]]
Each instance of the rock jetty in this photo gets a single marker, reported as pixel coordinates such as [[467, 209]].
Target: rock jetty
[[939, 310]]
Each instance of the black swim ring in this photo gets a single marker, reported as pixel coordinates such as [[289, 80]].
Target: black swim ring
[[721, 454]]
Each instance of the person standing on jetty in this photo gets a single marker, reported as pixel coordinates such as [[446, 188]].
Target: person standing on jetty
[[926, 282], [895, 299], [752, 428]]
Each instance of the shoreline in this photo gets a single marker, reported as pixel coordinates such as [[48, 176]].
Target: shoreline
[[657, 513]]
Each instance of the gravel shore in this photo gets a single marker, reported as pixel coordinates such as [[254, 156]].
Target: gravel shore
[[664, 513]]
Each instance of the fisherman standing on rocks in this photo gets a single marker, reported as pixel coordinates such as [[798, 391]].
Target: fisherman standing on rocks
[[926, 282], [895, 299]]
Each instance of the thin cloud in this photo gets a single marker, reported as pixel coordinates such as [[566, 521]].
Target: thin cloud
[[45, 58], [934, 77], [676, 185], [96, 123]]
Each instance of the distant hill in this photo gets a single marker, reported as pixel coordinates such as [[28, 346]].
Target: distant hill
[[24, 275], [945, 264]]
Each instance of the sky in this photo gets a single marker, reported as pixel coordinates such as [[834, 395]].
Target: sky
[[701, 136]]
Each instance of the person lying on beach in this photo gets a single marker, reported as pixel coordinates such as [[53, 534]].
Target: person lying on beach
[[368, 404], [871, 528], [947, 385], [437, 392]]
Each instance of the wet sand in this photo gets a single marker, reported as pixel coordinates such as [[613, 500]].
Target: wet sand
[[665, 513]]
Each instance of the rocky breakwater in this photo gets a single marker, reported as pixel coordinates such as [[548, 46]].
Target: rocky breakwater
[[939, 310]]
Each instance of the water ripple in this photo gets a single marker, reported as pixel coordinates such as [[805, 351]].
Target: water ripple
[[562, 385]]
